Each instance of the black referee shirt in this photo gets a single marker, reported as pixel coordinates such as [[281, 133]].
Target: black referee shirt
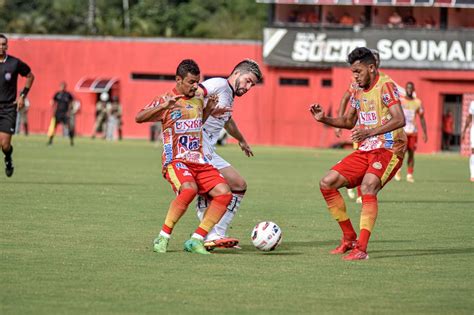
[[62, 99], [9, 71]]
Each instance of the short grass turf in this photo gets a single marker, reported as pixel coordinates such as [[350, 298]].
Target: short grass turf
[[77, 224]]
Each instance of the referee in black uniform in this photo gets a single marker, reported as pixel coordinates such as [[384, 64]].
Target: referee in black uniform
[[10, 68]]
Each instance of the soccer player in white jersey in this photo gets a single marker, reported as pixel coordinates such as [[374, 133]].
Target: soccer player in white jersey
[[244, 76], [470, 122]]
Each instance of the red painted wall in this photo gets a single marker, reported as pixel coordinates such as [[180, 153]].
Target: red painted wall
[[270, 114]]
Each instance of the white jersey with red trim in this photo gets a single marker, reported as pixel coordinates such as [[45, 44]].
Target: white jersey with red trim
[[213, 125]]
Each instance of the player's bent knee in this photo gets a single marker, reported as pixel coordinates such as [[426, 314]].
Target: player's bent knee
[[189, 185], [239, 185], [369, 188], [223, 199], [220, 189], [326, 183]]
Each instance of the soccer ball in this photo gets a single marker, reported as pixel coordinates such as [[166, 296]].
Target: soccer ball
[[266, 236]]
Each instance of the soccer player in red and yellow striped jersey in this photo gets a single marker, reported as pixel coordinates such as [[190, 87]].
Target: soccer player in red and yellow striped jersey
[[382, 145], [412, 108], [181, 112]]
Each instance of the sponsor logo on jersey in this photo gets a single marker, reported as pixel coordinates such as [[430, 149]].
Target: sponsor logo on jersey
[[192, 156], [167, 138], [186, 173], [396, 93], [355, 102], [181, 166], [386, 98], [368, 118], [176, 115], [188, 125], [189, 106], [189, 143], [388, 135], [8, 76]]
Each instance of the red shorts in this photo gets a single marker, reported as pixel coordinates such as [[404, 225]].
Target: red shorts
[[412, 140], [205, 176], [380, 162]]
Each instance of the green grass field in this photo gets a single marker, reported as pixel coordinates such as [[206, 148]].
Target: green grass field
[[77, 224]]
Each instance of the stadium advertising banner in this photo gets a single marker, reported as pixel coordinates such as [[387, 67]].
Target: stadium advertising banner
[[420, 49]]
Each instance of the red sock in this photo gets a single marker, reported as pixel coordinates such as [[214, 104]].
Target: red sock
[[347, 230], [166, 229], [177, 208], [368, 217], [214, 213], [363, 239], [410, 170], [359, 191], [201, 231]]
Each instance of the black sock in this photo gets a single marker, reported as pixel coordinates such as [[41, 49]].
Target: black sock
[[8, 154]]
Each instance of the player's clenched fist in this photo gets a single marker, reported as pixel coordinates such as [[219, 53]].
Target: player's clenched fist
[[317, 111]]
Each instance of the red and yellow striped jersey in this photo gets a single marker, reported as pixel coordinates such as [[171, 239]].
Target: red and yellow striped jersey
[[181, 129], [411, 108], [372, 107]]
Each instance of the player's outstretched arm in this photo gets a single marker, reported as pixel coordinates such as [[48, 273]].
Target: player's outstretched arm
[[342, 109], [155, 110], [397, 121], [347, 121], [233, 130]]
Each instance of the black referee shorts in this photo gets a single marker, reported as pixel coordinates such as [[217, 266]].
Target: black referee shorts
[[7, 118]]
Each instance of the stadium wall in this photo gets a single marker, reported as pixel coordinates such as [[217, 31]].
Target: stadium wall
[[273, 113]]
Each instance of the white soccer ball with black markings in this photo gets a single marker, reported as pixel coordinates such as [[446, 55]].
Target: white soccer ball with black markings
[[266, 236]]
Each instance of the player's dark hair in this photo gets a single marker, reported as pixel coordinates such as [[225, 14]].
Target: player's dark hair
[[249, 65], [187, 66], [4, 37], [362, 54], [376, 53], [413, 84]]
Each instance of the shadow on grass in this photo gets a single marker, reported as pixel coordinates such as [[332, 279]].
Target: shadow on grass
[[253, 250], [428, 201], [393, 253], [74, 183], [287, 248]]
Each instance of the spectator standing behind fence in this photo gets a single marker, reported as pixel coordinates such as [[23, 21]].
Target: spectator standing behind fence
[[22, 118], [346, 20], [330, 18], [395, 20], [448, 129], [114, 119], [100, 114]]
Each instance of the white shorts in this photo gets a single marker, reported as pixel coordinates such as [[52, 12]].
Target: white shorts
[[208, 150]]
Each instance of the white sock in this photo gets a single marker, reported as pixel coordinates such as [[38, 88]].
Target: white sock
[[471, 165], [201, 206], [197, 236], [164, 234], [220, 229]]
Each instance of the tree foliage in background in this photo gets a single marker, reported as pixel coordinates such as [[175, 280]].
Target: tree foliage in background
[[228, 19]]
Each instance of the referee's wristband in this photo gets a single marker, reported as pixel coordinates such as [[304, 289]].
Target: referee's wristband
[[24, 92]]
